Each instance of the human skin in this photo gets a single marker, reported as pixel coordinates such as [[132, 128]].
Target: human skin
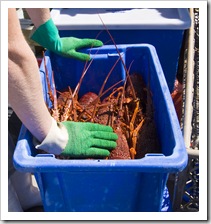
[[38, 15], [24, 85]]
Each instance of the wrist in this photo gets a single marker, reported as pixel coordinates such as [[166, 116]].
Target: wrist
[[47, 35], [56, 139]]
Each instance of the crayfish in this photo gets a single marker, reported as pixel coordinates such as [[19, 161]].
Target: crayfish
[[127, 109]]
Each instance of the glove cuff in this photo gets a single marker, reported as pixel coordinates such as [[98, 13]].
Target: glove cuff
[[56, 139], [47, 35]]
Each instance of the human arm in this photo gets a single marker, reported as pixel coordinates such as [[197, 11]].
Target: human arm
[[25, 92], [26, 99], [38, 15], [47, 35]]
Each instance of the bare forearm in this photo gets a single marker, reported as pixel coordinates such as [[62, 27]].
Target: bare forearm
[[25, 93], [39, 15]]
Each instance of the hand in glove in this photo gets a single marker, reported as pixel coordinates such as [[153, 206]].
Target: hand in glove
[[47, 36], [79, 139]]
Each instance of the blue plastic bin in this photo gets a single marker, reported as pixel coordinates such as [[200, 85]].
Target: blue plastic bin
[[161, 27], [108, 185]]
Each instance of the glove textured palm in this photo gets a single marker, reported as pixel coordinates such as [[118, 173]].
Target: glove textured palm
[[89, 140], [47, 36], [78, 139]]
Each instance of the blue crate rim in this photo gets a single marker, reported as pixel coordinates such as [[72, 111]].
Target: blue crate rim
[[48, 163]]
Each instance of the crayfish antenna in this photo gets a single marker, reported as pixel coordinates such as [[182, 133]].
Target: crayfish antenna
[[55, 113], [48, 80], [102, 87], [127, 73]]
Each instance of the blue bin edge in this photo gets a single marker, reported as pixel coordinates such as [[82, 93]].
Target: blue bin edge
[[25, 162]]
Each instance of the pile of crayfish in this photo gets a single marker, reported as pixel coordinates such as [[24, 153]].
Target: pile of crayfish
[[128, 109]]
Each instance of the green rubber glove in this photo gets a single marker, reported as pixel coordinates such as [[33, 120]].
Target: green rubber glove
[[47, 35], [79, 140], [89, 140]]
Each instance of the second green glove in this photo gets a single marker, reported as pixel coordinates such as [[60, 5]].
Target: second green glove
[[47, 35]]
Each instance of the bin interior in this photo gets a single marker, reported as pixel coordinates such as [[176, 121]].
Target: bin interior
[[68, 73]]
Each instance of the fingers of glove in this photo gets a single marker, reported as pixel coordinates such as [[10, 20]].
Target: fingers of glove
[[91, 43], [71, 45], [77, 43], [97, 152], [90, 126], [97, 127], [78, 55], [104, 135], [85, 43], [104, 144]]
